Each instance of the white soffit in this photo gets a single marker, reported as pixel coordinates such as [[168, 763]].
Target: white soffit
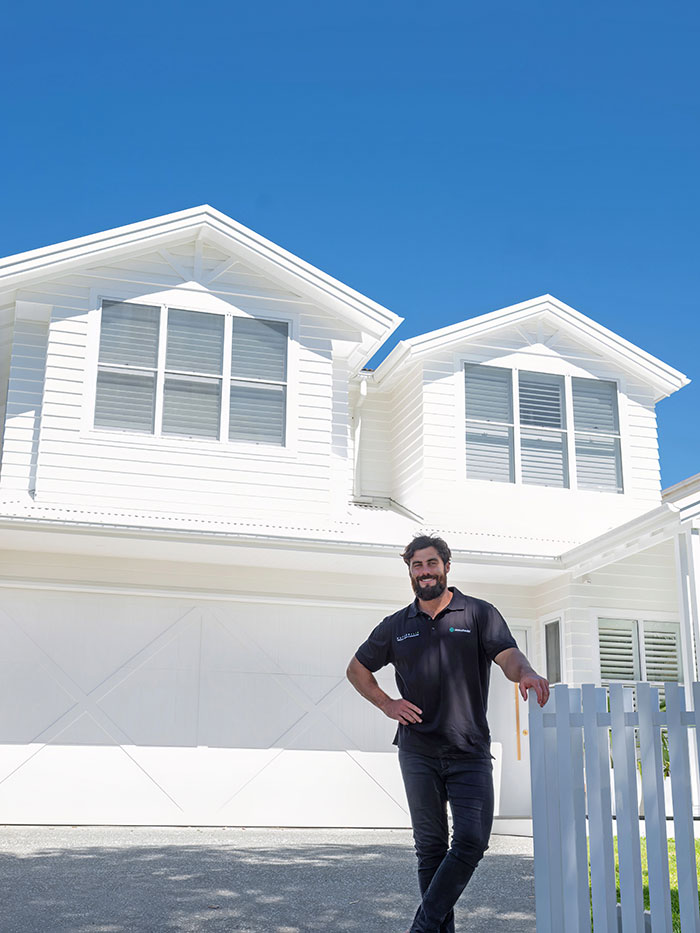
[[373, 320], [662, 378]]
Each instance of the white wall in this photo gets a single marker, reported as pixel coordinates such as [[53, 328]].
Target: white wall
[[642, 586], [79, 465], [428, 437]]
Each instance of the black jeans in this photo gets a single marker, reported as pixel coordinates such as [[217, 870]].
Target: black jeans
[[444, 870]]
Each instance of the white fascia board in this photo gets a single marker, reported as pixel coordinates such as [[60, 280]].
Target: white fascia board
[[374, 320], [663, 378], [634, 536]]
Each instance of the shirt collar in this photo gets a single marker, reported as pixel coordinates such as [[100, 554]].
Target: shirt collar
[[458, 602]]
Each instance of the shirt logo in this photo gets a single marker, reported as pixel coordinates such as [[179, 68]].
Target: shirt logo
[[407, 635], [467, 630]]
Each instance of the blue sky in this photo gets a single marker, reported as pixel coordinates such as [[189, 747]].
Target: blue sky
[[444, 160]]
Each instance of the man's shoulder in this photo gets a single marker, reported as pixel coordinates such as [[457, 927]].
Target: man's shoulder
[[400, 616], [477, 606]]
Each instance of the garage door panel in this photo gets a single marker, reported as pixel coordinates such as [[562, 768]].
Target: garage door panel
[[244, 710], [30, 698]]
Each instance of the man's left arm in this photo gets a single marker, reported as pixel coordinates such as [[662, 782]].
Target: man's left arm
[[517, 668]]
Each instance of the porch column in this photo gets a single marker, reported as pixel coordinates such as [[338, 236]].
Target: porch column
[[687, 546]]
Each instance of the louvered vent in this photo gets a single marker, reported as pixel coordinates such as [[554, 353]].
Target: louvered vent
[[619, 650], [489, 429]]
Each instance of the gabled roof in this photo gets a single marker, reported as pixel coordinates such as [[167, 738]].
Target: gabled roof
[[375, 322], [628, 357]]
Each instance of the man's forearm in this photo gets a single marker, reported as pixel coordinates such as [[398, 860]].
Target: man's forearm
[[516, 666], [366, 684]]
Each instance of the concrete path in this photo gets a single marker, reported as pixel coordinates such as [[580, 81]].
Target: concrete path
[[144, 880]]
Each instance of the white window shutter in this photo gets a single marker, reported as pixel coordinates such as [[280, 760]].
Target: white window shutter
[[489, 426], [596, 421], [125, 400], [257, 413], [543, 456], [619, 650], [195, 342], [129, 335], [259, 349], [191, 406], [662, 651]]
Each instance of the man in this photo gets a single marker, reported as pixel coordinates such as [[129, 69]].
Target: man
[[441, 647]]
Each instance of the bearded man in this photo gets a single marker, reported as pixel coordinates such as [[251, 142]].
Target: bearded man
[[442, 646]]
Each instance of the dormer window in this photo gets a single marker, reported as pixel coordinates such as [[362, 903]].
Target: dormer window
[[171, 372], [518, 429]]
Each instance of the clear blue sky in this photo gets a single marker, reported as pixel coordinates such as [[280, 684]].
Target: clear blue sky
[[443, 159]]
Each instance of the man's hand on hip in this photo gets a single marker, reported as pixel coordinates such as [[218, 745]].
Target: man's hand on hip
[[403, 711]]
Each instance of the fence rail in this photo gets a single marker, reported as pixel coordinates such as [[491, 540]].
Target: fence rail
[[578, 742]]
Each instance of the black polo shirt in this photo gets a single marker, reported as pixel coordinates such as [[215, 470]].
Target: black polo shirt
[[442, 665]]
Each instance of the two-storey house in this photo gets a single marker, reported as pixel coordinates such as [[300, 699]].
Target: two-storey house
[[203, 496]]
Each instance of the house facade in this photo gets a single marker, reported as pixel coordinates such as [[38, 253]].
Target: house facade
[[203, 496]]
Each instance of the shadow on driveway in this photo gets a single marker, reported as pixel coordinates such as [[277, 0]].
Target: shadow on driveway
[[142, 880]]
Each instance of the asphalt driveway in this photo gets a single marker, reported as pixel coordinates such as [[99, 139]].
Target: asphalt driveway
[[152, 880]]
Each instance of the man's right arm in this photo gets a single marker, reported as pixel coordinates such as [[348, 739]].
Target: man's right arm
[[364, 681]]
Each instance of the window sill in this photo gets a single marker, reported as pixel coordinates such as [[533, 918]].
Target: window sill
[[190, 445]]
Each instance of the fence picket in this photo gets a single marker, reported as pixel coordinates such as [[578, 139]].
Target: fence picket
[[654, 808], [627, 811], [679, 759], [597, 754], [554, 835], [540, 828]]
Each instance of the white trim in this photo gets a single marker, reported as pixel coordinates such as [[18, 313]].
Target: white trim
[[611, 346], [169, 593], [376, 322]]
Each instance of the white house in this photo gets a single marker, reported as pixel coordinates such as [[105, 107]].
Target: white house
[[203, 496]]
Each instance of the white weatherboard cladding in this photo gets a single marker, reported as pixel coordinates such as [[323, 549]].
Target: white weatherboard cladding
[[556, 514], [407, 427], [131, 709], [117, 469], [641, 586], [375, 464]]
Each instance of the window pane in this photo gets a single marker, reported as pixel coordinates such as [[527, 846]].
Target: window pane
[[595, 406], [259, 349], [129, 334], [619, 650], [125, 400], [662, 651], [543, 458], [191, 406], [257, 413], [490, 452], [488, 393], [553, 651], [195, 342], [598, 463], [541, 400]]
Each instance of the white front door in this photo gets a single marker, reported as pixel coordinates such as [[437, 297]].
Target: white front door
[[507, 716]]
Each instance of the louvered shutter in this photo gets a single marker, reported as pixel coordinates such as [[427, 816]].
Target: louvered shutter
[[542, 438], [619, 650], [596, 422], [128, 356], [258, 395], [192, 400], [489, 423], [662, 651], [259, 350]]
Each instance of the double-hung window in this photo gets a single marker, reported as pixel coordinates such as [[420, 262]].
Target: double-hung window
[[518, 429], [171, 372]]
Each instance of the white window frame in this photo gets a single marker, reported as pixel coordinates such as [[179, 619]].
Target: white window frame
[[554, 368], [209, 304], [640, 618]]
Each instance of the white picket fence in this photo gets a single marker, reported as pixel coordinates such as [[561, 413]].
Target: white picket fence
[[572, 741]]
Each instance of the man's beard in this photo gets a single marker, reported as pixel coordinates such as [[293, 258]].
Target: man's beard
[[430, 592]]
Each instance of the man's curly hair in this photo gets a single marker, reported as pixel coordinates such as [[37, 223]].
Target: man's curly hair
[[423, 541]]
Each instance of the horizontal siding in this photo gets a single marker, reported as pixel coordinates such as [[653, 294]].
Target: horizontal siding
[[123, 471], [407, 439], [375, 446], [643, 584]]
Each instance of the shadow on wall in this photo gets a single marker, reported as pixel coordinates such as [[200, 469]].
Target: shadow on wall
[[238, 888]]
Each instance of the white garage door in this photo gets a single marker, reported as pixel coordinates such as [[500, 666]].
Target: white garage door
[[144, 710]]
